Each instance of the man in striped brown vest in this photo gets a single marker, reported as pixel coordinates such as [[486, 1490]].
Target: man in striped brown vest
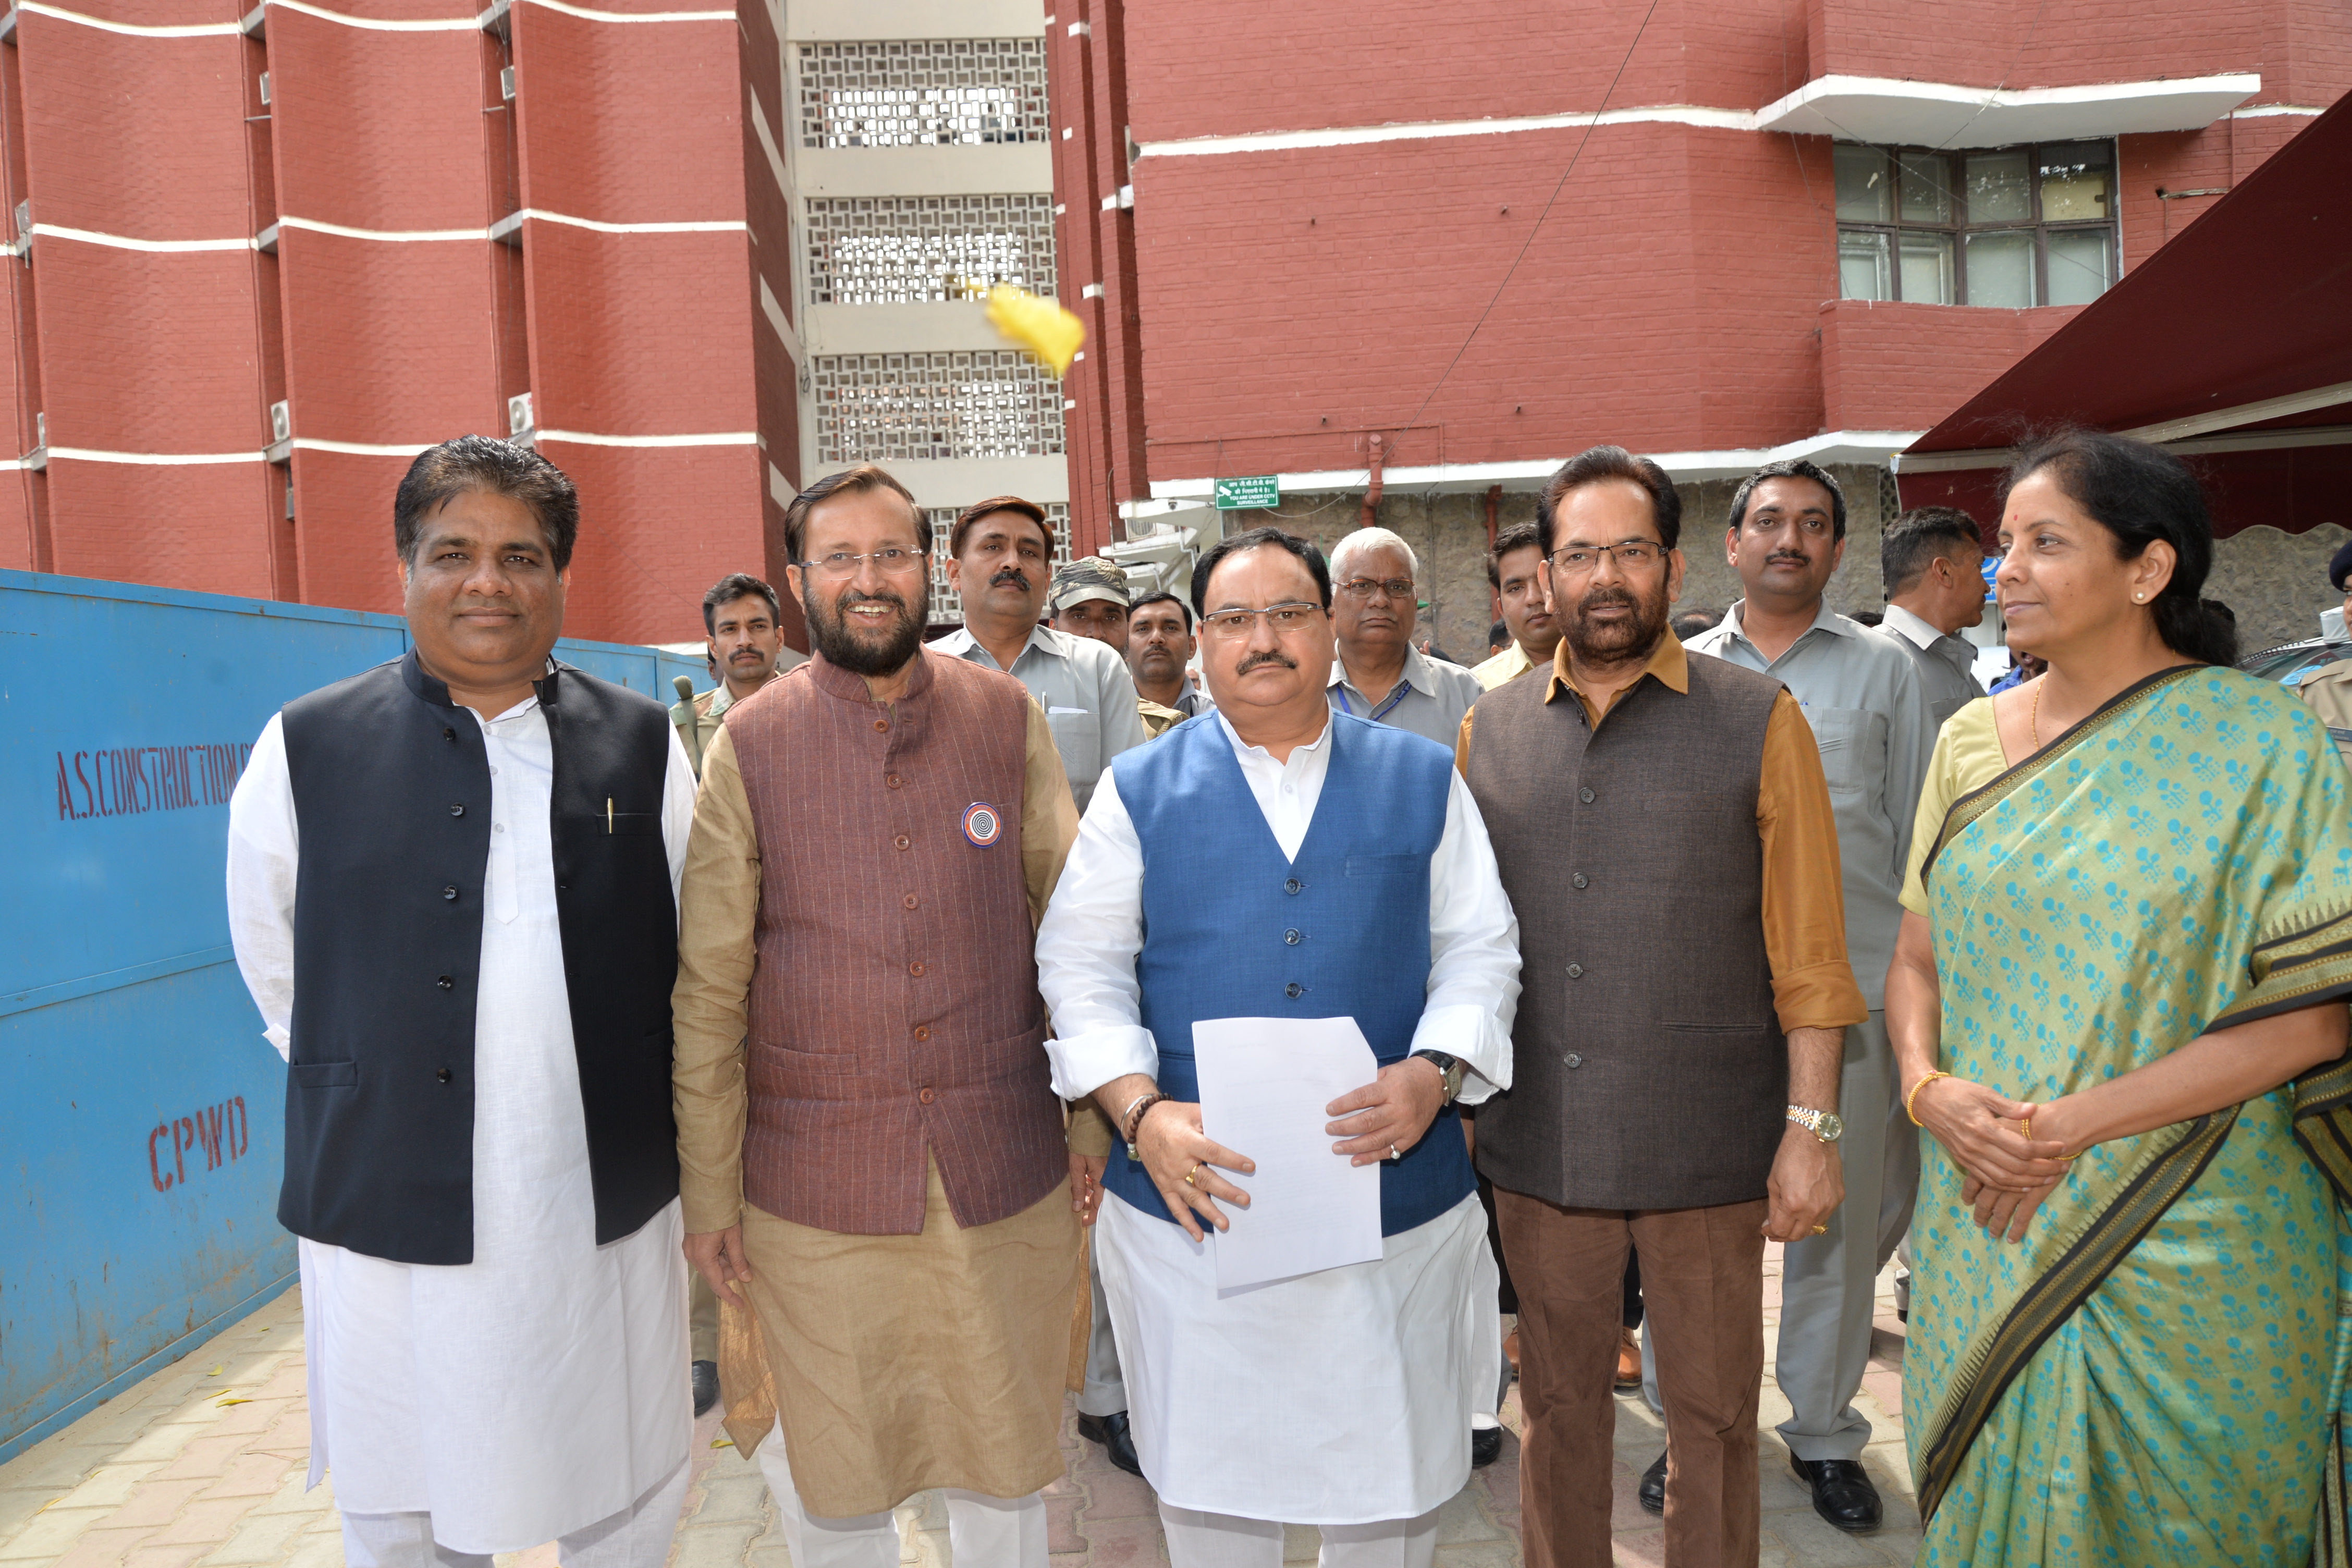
[[872, 1150]]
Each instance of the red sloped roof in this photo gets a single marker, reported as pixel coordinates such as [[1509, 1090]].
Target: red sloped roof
[[2251, 300]]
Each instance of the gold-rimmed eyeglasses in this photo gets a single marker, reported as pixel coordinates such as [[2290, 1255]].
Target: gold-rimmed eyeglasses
[[841, 565], [1399, 589], [1632, 554], [1290, 615]]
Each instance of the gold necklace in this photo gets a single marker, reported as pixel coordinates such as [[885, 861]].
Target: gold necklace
[[2033, 716]]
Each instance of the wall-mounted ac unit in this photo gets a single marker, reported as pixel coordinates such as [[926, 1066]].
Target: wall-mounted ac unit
[[519, 420], [281, 422]]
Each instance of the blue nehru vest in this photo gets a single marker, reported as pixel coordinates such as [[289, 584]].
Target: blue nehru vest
[[1232, 929]]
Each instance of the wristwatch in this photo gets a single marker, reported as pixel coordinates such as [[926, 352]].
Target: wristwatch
[[1451, 1070], [1825, 1125]]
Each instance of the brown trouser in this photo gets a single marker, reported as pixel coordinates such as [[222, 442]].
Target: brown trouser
[[1703, 1290]]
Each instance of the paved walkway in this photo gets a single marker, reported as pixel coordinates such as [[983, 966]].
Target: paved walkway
[[204, 1463]]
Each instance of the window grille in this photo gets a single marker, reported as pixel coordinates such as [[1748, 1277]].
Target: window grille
[[2005, 227], [923, 93], [947, 604], [890, 251], [885, 408]]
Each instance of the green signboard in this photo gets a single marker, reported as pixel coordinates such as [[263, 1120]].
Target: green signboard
[[1259, 490]]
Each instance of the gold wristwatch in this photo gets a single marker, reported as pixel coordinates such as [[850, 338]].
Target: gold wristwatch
[[1825, 1125]]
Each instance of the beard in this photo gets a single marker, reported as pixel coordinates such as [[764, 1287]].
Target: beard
[[860, 652], [1606, 643]]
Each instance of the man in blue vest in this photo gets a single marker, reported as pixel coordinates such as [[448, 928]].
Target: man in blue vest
[[1371, 893]]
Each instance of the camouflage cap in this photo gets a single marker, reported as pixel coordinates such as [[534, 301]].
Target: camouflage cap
[[1089, 577]]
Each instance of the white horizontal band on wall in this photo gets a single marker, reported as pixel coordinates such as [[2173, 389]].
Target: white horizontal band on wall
[[1424, 131], [582, 438], [361, 448], [378, 24], [126, 242], [585, 15], [401, 237], [134, 29], [147, 459]]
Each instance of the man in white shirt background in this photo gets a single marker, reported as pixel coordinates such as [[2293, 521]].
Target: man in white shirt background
[[1379, 674], [999, 560], [1372, 895], [1932, 559]]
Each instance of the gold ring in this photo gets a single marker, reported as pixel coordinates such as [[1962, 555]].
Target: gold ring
[[1820, 1230], [1191, 1173]]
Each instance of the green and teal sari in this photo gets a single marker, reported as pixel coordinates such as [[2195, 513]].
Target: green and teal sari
[[2155, 1374]]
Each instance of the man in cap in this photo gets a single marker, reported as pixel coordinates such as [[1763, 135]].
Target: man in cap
[[997, 559], [481, 1167], [1089, 599]]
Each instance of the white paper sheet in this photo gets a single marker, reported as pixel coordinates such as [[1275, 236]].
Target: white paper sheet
[[1265, 1083]]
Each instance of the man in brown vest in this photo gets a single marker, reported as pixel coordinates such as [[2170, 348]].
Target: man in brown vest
[[872, 1150], [1665, 833]]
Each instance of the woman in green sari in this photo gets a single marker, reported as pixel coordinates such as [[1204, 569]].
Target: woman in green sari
[[2129, 933]]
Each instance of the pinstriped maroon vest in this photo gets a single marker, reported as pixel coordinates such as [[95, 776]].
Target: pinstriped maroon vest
[[895, 1004]]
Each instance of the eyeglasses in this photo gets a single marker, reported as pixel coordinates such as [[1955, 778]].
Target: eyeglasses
[[841, 565], [1290, 615], [1365, 587], [1632, 554]]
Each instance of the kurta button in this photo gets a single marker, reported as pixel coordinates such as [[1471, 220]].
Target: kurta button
[[1576, 972], [894, 780], [902, 841], [916, 970], [450, 894], [922, 1031], [1292, 885], [926, 1096], [445, 983], [1292, 937], [442, 1076], [1292, 989], [1572, 1060], [1578, 880], [448, 734], [911, 901], [1585, 795], [456, 811], [880, 725]]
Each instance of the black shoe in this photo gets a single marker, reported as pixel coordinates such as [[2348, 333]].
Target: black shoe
[[1654, 1487], [706, 1387], [1111, 1432], [1841, 1492], [1486, 1446]]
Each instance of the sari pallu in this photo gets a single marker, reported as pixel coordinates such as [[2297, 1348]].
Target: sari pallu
[[2154, 1375]]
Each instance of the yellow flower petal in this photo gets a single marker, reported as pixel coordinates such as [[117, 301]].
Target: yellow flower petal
[[216, 1371], [723, 1442], [230, 1400], [1050, 334]]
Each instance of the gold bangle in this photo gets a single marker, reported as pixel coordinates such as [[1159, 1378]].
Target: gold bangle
[[1909, 1099], [2028, 1125]]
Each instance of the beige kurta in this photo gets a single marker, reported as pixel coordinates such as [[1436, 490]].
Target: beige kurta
[[895, 1362]]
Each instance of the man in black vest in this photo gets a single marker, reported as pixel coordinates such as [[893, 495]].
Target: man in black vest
[[452, 886]]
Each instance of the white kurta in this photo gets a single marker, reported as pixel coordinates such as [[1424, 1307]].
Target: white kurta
[[542, 1386], [1364, 1378]]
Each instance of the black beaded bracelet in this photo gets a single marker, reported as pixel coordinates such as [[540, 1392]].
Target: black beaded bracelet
[[1135, 1115]]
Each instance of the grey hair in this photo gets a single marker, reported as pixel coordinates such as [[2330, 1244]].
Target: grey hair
[[1354, 544]]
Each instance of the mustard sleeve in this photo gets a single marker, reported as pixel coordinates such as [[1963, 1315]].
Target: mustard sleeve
[[717, 903], [1049, 816], [1967, 757], [1804, 894]]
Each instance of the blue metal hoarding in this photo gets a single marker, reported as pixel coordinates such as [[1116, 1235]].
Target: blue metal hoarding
[[147, 1111]]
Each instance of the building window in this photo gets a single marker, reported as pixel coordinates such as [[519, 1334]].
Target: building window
[[884, 409], [947, 604], [889, 250], [2006, 226], [923, 93]]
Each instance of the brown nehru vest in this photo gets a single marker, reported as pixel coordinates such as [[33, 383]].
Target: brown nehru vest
[[1648, 1067], [895, 1006]]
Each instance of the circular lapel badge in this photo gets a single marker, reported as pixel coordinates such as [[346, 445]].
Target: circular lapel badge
[[982, 824]]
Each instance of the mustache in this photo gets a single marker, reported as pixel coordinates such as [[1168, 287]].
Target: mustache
[[1786, 558], [1266, 656], [1012, 575], [859, 597], [1601, 596]]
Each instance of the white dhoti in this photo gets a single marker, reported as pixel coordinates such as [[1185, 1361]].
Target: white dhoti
[[1338, 1398]]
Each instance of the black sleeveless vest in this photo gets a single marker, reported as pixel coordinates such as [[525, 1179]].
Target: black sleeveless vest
[[391, 796]]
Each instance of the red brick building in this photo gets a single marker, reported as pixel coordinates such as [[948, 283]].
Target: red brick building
[[1459, 245], [262, 258]]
